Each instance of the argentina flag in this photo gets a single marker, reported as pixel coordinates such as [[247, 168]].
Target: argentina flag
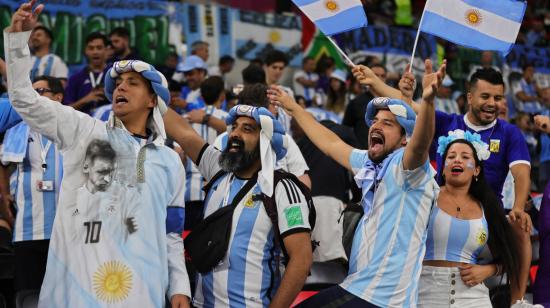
[[478, 24], [334, 16]]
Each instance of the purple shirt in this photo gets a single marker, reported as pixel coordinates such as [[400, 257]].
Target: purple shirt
[[506, 144], [80, 84], [542, 282]]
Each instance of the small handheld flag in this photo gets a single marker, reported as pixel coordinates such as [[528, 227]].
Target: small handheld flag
[[334, 16], [477, 24]]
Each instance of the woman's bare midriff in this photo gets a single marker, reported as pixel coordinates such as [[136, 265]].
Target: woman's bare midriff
[[443, 263]]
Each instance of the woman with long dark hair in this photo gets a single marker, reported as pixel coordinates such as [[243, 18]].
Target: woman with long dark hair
[[337, 93], [466, 220]]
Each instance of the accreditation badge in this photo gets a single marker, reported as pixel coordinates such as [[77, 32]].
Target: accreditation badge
[[494, 145]]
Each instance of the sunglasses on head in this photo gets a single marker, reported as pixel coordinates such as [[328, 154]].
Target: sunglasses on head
[[41, 91]]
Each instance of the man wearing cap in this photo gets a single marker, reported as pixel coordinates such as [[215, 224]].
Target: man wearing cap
[[249, 275], [89, 263], [398, 193], [194, 70]]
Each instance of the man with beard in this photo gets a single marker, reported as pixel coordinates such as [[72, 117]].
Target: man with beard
[[398, 190], [249, 275], [84, 90], [44, 62], [120, 40], [506, 144]]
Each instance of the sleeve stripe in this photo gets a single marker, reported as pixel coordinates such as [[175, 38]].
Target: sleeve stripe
[[289, 192], [519, 162], [295, 190]]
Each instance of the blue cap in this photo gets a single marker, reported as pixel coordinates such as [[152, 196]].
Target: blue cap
[[404, 114], [339, 74], [190, 63]]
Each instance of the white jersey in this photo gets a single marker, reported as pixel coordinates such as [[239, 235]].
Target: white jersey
[[49, 65], [247, 276], [195, 181], [113, 265], [307, 92], [389, 243], [293, 162]]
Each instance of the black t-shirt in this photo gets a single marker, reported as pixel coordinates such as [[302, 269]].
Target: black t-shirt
[[328, 178], [355, 118]]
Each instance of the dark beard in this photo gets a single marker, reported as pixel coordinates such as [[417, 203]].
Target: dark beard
[[238, 161]]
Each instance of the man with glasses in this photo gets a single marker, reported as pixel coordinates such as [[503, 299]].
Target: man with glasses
[[36, 162]]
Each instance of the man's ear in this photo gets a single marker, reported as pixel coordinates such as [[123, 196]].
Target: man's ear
[[404, 140], [58, 97], [153, 102]]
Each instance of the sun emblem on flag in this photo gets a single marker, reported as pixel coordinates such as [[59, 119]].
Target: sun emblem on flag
[[274, 37], [331, 6], [112, 282], [473, 17]]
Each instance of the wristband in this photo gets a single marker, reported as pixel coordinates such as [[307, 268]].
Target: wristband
[[206, 118]]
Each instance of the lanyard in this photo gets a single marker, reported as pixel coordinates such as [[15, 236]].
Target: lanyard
[[44, 152], [95, 81]]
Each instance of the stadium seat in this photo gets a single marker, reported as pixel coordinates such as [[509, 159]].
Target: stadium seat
[[27, 299]]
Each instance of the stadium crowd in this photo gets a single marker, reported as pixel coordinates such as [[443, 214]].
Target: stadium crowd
[[105, 170]]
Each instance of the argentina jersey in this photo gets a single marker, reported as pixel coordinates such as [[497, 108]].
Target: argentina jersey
[[455, 239], [389, 243], [193, 190], [248, 275], [36, 193]]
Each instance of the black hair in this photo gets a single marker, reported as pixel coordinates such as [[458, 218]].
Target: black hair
[[120, 31], [254, 95], [100, 149], [53, 83], [226, 60], [502, 240], [48, 32], [257, 61], [253, 74], [211, 89], [323, 64], [275, 56], [307, 58], [96, 36], [378, 65], [490, 75], [527, 65], [336, 100], [174, 86]]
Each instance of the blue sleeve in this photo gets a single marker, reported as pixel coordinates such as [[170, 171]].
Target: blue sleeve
[[175, 217], [357, 159], [70, 92], [8, 116], [516, 147]]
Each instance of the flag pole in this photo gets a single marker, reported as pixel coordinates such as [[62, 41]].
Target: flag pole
[[340, 51], [416, 40]]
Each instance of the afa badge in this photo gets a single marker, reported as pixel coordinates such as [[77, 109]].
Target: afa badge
[[249, 202], [494, 145], [481, 237]]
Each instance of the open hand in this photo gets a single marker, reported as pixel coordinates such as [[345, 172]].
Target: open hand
[[25, 18], [432, 80]]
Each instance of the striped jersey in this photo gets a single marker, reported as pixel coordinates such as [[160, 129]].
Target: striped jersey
[[193, 191], [389, 243], [49, 65], [293, 162], [248, 275], [455, 239], [36, 207]]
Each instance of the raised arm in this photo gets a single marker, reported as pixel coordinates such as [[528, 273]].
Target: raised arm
[[416, 152], [367, 77], [327, 141], [181, 131], [62, 124], [407, 85]]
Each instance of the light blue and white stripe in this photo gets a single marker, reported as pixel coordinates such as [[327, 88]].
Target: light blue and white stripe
[[334, 16]]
